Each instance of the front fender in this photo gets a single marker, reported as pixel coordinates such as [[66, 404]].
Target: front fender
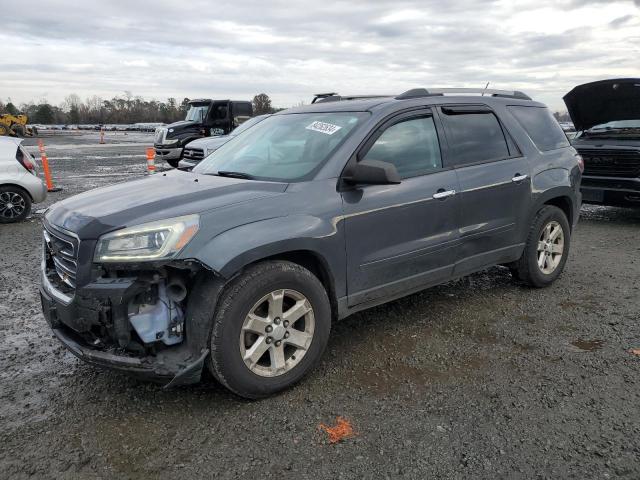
[[230, 251]]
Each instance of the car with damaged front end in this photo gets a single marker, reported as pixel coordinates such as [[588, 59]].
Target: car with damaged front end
[[309, 216]]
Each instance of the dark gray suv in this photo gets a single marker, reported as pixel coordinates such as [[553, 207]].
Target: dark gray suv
[[314, 214]]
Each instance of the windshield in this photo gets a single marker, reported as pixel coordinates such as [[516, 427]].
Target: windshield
[[247, 124], [197, 113], [282, 147], [631, 127]]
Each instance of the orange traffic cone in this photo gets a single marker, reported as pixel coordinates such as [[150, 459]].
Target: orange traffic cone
[[47, 172], [151, 160]]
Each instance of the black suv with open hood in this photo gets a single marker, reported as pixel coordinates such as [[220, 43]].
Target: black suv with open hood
[[606, 115]]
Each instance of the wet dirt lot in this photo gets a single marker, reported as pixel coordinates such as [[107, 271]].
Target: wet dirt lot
[[478, 378]]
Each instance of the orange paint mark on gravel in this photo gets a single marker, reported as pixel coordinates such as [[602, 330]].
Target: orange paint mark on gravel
[[342, 430], [635, 351]]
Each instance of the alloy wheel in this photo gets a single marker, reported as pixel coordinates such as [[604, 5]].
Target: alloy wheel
[[12, 205], [277, 333], [550, 247]]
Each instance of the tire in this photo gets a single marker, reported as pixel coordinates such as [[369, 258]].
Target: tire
[[20, 201], [230, 332], [173, 163], [18, 130], [540, 268], [4, 130]]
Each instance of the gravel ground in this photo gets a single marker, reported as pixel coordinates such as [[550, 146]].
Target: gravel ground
[[478, 378]]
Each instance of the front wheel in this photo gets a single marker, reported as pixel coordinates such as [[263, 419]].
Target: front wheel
[[545, 253], [270, 328]]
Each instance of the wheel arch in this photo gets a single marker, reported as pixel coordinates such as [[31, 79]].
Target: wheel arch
[[17, 185], [311, 242], [560, 197]]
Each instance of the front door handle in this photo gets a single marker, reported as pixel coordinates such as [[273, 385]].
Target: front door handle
[[519, 178], [442, 194]]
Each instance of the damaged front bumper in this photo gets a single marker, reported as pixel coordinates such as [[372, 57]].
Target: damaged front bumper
[[105, 302]]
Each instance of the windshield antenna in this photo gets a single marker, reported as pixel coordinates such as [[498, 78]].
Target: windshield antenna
[[485, 87]]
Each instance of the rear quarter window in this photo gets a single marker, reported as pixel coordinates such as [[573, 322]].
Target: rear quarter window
[[541, 126]]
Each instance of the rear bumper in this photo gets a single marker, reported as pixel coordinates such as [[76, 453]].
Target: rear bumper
[[614, 191]]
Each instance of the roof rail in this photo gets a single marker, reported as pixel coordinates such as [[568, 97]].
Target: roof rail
[[334, 97], [435, 92], [321, 96]]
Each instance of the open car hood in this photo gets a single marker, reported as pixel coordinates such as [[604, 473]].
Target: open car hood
[[604, 101]]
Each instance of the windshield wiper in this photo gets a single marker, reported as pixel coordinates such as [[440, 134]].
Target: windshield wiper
[[226, 173]]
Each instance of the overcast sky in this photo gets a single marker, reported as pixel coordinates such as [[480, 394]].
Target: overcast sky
[[293, 49]]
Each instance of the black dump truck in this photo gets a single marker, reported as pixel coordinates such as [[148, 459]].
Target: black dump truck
[[205, 118]]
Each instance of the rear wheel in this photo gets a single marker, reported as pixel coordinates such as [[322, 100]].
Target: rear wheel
[[270, 328], [15, 204], [546, 250], [4, 130], [18, 130]]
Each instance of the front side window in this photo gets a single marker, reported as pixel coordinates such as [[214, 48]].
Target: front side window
[[411, 145], [283, 147], [474, 136]]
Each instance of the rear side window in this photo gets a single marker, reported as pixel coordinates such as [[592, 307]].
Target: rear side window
[[411, 145], [543, 129], [474, 136]]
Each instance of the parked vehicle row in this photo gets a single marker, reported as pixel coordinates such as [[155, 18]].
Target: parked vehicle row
[[308, 216]]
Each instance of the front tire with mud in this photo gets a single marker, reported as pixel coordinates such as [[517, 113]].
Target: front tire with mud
[[270, 328]]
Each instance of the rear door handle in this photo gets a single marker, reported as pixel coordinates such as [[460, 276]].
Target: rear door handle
[[519, 178], [442, 194]]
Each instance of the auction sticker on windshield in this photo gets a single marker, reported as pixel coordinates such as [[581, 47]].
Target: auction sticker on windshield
[[323, 127]]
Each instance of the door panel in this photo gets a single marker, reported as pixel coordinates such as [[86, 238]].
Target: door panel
[[399, 237], [490, 206], [495, 185]]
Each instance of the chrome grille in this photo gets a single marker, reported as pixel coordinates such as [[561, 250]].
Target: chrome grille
[[611, 162], [61, 259], [193, 154]]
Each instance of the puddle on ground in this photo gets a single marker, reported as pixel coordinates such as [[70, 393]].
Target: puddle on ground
[[587, 345]]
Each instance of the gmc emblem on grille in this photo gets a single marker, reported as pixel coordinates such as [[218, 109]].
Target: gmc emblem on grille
[[602, 160]]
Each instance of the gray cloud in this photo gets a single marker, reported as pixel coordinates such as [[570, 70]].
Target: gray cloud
[[293, 49]]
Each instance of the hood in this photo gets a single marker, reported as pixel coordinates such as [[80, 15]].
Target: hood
[[181, 127], [209, 143], [161, 196], [604, 101]]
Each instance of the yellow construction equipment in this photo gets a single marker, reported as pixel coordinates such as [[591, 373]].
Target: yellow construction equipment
[[15, 126]]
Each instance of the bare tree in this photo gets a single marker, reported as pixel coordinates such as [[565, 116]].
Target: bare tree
[[262, 104]]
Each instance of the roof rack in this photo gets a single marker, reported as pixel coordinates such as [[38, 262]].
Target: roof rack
[[334, 97], [437, 92]]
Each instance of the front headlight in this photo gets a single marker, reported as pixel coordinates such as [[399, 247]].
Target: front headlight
[[149, 241]]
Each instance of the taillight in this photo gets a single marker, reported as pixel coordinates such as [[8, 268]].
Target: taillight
[[580, 163], [24, 160]]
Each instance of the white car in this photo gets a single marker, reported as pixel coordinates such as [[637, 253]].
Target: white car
[[19, 184]]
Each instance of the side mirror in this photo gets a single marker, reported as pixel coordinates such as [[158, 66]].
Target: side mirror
[[372, 172]]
